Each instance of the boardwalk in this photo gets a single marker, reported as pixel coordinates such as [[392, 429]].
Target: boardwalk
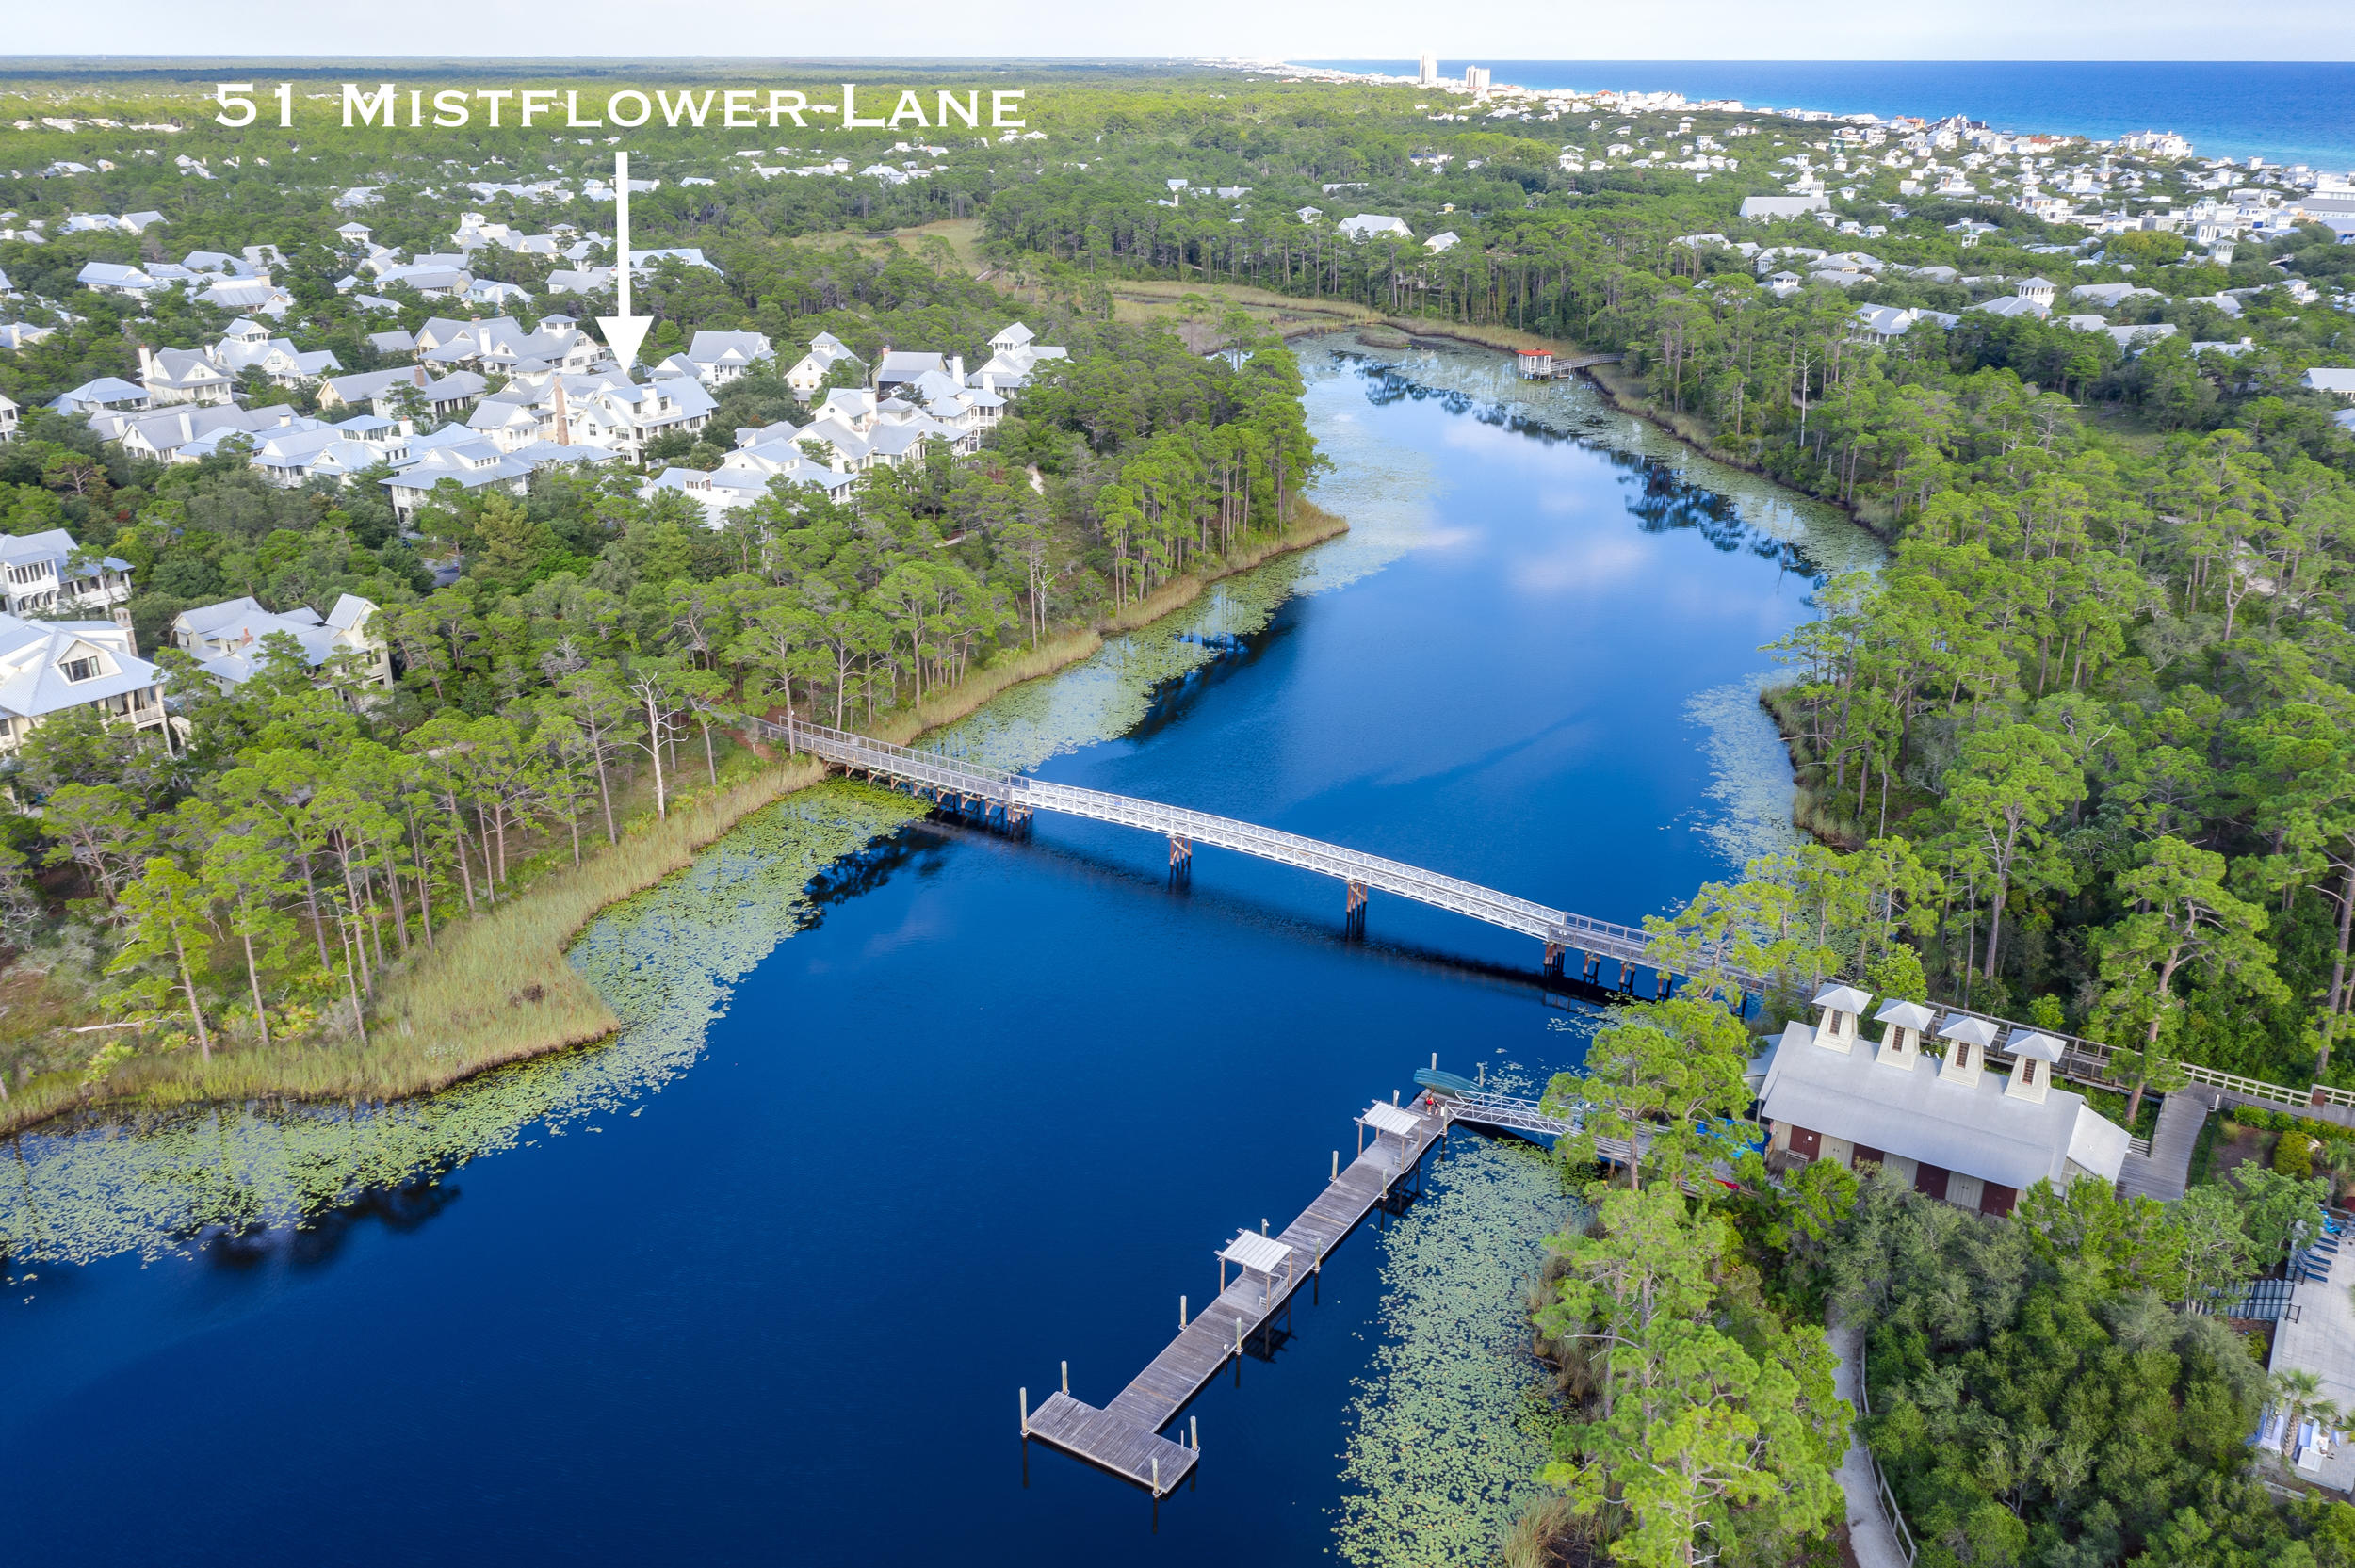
[[2166, 1170], [1124, 1437], [1016, 797]]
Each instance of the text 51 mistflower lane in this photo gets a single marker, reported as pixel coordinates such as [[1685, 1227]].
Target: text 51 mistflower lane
[[739, 108]]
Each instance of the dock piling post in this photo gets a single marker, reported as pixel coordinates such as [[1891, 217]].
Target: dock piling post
[[1181, 1315], [1026, 1412], [1393, 1096], [1194, 1434], [1336, 1165], [1066, 1377], [1435, 1062]]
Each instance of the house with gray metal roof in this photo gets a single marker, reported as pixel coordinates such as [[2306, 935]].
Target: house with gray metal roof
[[1946, 1125], [52, 667], [39, 573], [226, 638]]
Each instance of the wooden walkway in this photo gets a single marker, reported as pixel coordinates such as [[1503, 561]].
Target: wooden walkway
[[2166, 1170], [1124, 1437]]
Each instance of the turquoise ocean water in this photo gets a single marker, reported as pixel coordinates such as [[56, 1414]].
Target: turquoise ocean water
[[2283, 112]]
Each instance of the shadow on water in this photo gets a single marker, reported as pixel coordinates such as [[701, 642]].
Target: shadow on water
[[322, 1237], [1232, 653], [1241, 909], [1664, 501]]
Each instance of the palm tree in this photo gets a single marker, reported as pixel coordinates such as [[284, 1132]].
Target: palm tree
[[2298, 1394]]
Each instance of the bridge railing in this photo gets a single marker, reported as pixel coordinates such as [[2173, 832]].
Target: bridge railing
[[935, 770]]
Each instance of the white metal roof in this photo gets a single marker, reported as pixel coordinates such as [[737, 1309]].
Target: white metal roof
[[1261, 1253], [2043, 1048], [1974, 1129], [1907, 1015], [1389, 1119], [1844, 998], [1977, 1031]]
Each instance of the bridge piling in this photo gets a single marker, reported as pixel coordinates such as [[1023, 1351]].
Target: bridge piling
[[1180, 861], [977, 792]]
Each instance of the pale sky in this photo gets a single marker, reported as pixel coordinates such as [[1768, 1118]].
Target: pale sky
[[1333, 29]]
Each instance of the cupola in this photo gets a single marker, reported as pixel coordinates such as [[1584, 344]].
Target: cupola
[[1967, 1040], [1841, 1005], [1901, 1033], [2034, 1059]]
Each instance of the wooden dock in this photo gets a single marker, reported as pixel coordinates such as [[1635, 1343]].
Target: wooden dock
[[1124, 1437]]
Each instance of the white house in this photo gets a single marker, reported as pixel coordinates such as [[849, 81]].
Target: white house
[[1366, 225], [384, 390], [1772, 209], [8, 417], [809, 372], [623, 417], [182, 375], [722, 357], [49, 666], [115, 277], [1951, 1128], [581, 280], [181, 434], [38, 573], [108, 392], [2341, 382], [226, 638], [898, 367]]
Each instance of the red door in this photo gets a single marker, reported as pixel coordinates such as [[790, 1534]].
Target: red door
[[1930, 1180], [1865, 1157], [1806, 1143], [1997, 1200]]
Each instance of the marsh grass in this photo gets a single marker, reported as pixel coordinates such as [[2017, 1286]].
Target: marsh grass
[[1548, 1535], [498, 988]]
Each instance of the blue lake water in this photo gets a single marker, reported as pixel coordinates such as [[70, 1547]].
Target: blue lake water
[[996, 1104], [2283, 111]]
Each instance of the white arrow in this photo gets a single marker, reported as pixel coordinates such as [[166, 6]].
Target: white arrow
[[624, 333]]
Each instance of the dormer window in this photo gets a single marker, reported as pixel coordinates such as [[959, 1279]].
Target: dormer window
[[80, 669]]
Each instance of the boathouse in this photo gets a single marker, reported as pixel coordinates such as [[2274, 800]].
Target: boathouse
[[1945, 1123]]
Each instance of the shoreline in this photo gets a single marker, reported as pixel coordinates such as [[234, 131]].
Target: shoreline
[[515, 956], [1624, 400]]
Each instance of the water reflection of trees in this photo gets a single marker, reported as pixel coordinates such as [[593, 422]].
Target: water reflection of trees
[[1663, 500]]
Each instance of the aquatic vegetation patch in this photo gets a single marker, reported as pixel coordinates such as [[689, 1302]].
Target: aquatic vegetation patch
[[1451, 1423], [665, 961], [1750, 772]]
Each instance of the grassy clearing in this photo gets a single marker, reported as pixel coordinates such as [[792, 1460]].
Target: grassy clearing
[[1156, 300], [498, 988]]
